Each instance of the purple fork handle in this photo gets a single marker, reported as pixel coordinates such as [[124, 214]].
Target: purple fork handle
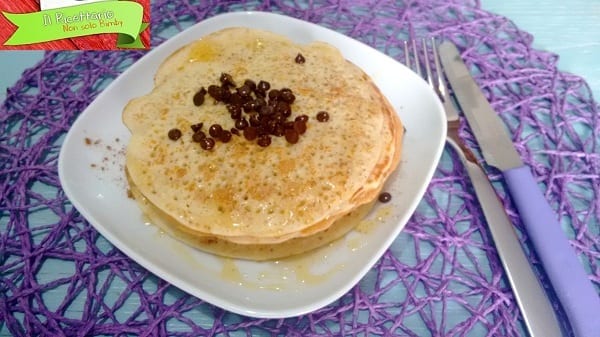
[[574, 289]]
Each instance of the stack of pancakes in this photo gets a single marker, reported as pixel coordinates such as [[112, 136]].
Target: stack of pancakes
[[243, 200]]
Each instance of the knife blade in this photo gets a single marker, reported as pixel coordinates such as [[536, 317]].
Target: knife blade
[[567, 276]]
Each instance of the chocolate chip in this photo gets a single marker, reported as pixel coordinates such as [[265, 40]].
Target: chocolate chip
[[300, 127], [244, 91], [225, 136], [215, 130], [263, 86], [207, 143], [385, 197], [196, 127], [235, 110], [323, 116], [225, 94], [249, 106], [274, 95], [283, 108], [264, 141], [299, 59], [174, 134], [199, 97], [250, 84], [227, 80], [291, 136], [250, 133], [198, 136], [241, 123], [215, 92], [302, 118], [288, 125], [287, 95]]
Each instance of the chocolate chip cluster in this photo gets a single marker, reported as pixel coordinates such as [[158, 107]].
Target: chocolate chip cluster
[[259, 113]]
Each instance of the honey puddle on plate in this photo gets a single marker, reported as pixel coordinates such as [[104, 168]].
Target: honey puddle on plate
[[310, 268], [279, 274]]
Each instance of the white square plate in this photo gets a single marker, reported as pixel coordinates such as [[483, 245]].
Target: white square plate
[[91, 172]]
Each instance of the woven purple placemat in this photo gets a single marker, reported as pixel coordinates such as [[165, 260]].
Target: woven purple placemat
[[442, 277]]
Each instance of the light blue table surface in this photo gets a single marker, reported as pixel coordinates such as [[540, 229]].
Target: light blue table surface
[[570, 29]]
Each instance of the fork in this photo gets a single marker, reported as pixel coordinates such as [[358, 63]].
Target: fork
[[538, 314]]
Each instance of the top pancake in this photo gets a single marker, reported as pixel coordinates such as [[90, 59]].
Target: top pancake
[[240, 191]]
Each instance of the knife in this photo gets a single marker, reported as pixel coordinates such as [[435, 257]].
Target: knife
[[571, 284]]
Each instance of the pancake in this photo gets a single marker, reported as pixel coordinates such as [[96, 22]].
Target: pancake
[[240, 192], [255, 252]]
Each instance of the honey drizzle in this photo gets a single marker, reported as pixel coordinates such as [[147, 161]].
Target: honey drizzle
[[297, 270], [202, 51]]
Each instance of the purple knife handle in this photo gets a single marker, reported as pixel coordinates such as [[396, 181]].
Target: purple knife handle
[[574, 289]]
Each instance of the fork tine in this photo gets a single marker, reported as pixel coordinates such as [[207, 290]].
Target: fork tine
[[442, 89], [437, 82], [429, 77], [406, 54], [416, 58]]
